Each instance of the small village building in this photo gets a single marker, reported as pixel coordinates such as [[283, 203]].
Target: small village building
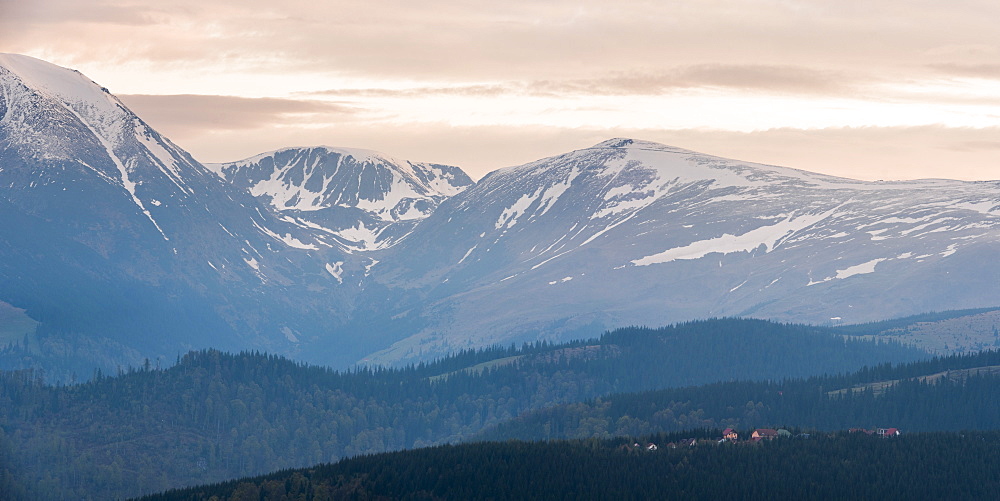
[[764, 434], [730, 435]]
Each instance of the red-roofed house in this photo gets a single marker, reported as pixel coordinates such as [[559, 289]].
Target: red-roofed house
[[765, 433]]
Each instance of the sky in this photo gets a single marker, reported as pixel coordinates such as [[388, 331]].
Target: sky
[[891, 89]]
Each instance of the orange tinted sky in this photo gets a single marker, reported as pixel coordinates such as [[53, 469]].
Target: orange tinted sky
[[872, 90]]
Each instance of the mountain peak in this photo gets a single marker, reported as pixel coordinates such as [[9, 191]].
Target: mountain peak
[[636, 144], [359, 199], [66, 85], [615, 142]]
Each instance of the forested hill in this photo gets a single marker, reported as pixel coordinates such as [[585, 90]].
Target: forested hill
[[840, 466], [962, 393], [215, 416]]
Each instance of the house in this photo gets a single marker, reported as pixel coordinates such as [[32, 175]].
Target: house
[[764, 434], [730, 435], [651, 447], [888, 432]]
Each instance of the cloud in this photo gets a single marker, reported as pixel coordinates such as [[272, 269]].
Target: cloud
[[519, 40], [385, 60], [195, 112], [50, 12], [751, 78], [976, 146], [418, 91], [762, 78], [867, 153], [989, 71]]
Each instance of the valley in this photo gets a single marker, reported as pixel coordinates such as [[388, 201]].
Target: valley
[[214, 416]]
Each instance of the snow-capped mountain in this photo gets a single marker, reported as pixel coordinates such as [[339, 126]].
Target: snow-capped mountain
[[632, 232], [353, 199], [123, 246], [112, 230]]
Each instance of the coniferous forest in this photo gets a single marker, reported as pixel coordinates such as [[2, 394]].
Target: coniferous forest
[[215, 416], [838, 466]]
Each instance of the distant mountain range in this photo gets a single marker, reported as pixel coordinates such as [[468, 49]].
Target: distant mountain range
[[123, 246]]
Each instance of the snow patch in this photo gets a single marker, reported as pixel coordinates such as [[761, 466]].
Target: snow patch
[[289, 334], [467, 253], [287, 239], [291, 241], [337, 270], [399, 191], [877, 234], [859, 269], [363, 238], [768, 236], [986, 207], [164, 160], [555, 191], [508, 218]]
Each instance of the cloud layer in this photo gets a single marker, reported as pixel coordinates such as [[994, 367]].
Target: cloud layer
[[806, 83]]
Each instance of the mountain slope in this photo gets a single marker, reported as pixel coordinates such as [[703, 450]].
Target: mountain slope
[[353, 199], [631, 232], [111, 230], [337, 255]]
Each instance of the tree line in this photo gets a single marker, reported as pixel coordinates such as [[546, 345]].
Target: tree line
[[216, 415]]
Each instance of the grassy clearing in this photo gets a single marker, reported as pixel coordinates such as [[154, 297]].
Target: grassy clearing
[[478, 368]]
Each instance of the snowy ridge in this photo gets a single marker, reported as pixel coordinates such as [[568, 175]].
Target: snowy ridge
[[630, 231], [352, 199], [312, 247], [306, 179], [620, 178], [101, 113]]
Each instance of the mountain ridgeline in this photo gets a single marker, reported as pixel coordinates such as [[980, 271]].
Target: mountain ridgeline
[[215, 416], [121, 246]]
